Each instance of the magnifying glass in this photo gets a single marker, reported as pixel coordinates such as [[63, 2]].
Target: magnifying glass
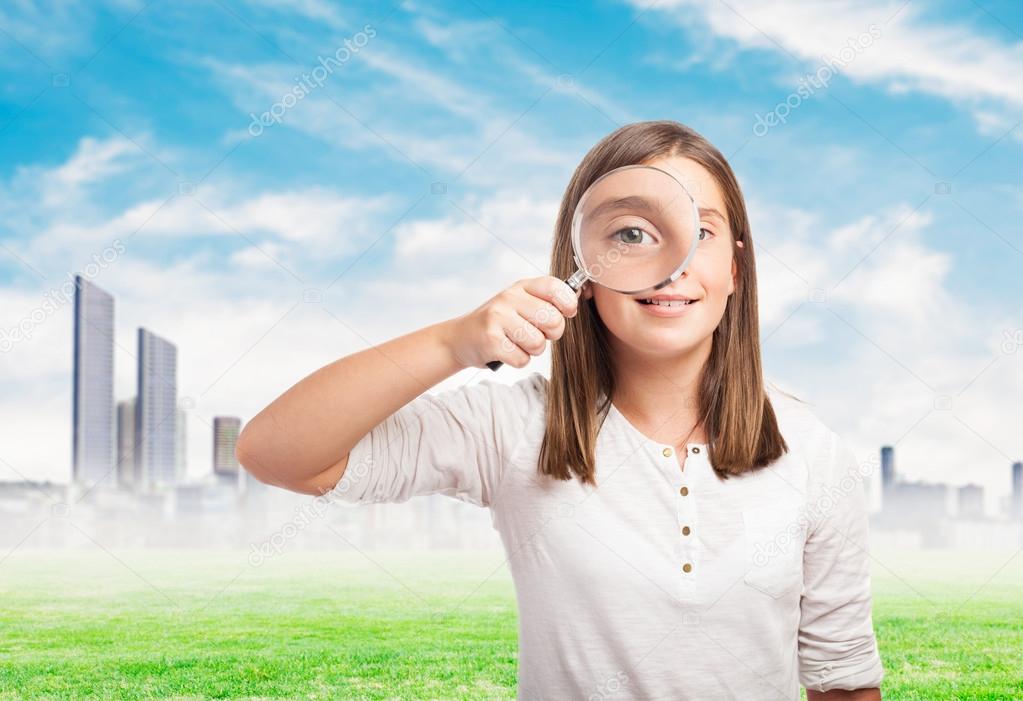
[[634, 231]]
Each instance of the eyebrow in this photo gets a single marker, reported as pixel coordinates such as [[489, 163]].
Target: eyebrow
[[628, 202], [710, 211], [639, 202]]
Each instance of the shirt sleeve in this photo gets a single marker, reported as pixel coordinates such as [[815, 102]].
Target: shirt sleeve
[[837, 646], [455, 443]]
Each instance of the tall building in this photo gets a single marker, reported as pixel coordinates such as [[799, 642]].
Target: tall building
[[225, 436], [1016, 499], [92, 413], [126, 475], [887, 468], [181, 447], [156, 411]]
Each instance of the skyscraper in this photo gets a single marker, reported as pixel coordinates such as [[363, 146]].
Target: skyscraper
[[1016, 499], [92, 413], [887, 468], [126, 475], [225, 436], [181, 447], [156, 411]]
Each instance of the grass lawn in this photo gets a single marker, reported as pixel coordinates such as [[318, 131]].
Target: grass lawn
[[335, 625]]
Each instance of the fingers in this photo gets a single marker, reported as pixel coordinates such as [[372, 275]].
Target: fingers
[[520, 320], [520, 340], [555, 291], [525, 336]]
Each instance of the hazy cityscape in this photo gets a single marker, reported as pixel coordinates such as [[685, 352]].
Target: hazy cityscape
[[129, 485]]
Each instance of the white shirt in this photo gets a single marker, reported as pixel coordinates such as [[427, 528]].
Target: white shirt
[[776, 593]]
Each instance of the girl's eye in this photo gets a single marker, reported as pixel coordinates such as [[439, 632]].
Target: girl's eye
[[631, 235], [705, 231]]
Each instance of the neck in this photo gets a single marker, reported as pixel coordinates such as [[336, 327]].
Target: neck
[[660, 395]]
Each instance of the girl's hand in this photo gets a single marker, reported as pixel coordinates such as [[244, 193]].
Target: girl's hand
[[514, 324]]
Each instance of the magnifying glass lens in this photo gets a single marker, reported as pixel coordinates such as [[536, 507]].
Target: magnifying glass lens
[[635, 228]]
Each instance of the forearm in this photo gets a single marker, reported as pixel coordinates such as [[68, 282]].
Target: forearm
[[844, 695], [313, 426]]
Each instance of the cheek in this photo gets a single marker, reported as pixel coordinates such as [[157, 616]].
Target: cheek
[[616, 312], [716, 276], [609, 305]]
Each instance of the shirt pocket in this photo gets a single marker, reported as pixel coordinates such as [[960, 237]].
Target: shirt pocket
[[774, 549]]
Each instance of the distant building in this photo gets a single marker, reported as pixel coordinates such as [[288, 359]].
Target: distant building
[[1016, 498], [887, 468], [225, 437], [126, 475], [188, 498], [92, 413], [921, 498], [181, 447], [971, 502], [156, 412]]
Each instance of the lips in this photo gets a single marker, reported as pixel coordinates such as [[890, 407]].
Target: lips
[[669, 300]]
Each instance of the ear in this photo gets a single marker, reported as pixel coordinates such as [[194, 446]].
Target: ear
[[587, 292], [735, 270]]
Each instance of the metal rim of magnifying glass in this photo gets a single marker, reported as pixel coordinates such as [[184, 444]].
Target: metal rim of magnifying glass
[[581, 275]]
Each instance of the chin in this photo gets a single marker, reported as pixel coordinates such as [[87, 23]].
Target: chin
[[667, 348]]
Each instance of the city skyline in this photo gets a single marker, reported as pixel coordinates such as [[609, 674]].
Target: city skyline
[[137, 443], [159, 417]]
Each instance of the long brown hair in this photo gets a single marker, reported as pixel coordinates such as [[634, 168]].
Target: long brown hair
[[740, 424]]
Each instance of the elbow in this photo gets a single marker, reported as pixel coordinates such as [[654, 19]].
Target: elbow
[[249, 457], [258, 462]]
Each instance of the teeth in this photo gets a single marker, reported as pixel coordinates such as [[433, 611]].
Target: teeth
[[668, 303]]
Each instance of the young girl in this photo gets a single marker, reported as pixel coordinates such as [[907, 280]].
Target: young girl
[[675, 528]]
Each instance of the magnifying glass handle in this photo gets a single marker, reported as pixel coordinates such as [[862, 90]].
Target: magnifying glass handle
[[575, 282]]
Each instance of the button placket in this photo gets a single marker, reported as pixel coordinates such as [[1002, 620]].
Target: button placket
[[686, 513], [688, 527]]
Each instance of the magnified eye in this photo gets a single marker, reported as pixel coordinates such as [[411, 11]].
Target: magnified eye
[[633, 235]]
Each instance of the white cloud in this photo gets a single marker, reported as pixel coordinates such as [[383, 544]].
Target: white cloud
[[504, 221], [65, 224], [912, 53], [460, 125], [93, 161], [316, 10]]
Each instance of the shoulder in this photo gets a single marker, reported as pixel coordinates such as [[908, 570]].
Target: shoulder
[[810, 440], [512, 402]]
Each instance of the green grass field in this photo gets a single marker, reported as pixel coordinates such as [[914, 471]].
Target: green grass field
[[335, 625]]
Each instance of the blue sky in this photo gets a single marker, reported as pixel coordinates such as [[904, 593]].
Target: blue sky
[[423, 176]]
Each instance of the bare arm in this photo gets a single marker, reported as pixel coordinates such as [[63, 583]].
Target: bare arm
[[302, 439], [843, 695]]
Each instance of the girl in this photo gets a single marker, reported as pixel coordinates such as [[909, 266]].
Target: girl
[[675, 527]]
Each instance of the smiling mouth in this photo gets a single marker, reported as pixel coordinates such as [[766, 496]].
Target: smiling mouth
[[674, 302]]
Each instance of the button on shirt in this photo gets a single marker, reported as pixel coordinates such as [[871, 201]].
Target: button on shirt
[[663, 581]]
